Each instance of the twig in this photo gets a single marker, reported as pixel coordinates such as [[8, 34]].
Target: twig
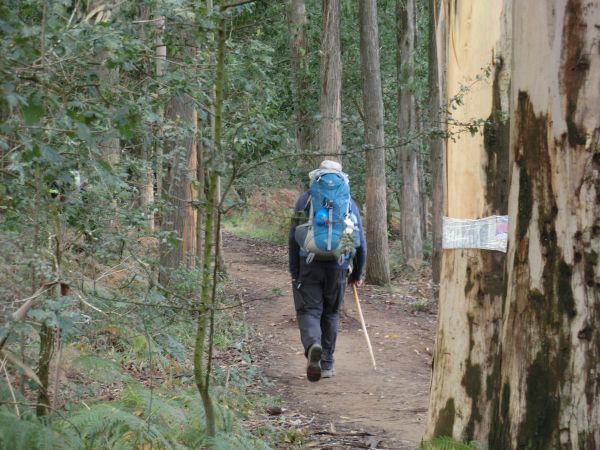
[[239, 3], [158, 19], [12, 392], [82, 300], [27, 371], [20, 313]]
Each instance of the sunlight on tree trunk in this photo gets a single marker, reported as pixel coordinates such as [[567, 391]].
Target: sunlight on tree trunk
[[377, 269], [472, 281], [330, 133]]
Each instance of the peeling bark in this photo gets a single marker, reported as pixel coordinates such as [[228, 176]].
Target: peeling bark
[[467, 349], [550, 341]]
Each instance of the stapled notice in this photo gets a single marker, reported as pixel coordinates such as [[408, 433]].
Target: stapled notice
[[489, 233]]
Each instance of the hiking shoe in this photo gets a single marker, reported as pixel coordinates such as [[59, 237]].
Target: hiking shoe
[[328, 373], [313, 368]]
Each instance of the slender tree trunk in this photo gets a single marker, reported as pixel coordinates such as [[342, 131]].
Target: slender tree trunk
[[300, 80], [465, 377], [437, 67], [549, 377], [378, 271], [411, 206], [146, 180], [214, 145], [47, 332], [202, 368], [161, 62], [200, 197], [43, 369], [330, 132]]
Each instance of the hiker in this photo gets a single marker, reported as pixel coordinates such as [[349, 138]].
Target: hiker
[[326, 241]]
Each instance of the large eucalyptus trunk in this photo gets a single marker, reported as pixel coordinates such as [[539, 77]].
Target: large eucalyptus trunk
[[550, 372], [466, 352], [378, 271], [300, 79], [330, 131], [408, 157], [436, 79]]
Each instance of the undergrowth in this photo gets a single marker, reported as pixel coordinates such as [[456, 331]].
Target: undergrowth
[[125, 377], [267, 226], [447, 443]]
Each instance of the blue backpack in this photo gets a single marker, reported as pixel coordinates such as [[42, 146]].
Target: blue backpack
[[331, 232]]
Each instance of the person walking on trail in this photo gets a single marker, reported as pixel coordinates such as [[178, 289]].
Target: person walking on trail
[[327, 250]]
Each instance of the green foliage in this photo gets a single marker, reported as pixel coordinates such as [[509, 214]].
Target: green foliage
[[30, 433], [447, 443], [271, 226]]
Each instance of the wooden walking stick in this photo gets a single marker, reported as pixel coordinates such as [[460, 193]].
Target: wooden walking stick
[[364, 327]]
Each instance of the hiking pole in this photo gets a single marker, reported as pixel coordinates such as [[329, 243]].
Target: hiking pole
[[364, 326]]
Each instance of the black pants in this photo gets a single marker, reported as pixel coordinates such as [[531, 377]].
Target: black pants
[[318, 296]]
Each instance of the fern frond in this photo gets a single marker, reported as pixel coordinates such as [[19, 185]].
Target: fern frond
[[239, 441], [100, 369], [445, 443], [27, 434], [108, 426]]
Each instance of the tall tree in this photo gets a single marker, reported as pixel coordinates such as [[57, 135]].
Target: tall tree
[[408, 156], [99, 12], [300, 80], [436, 79], [549, 377], [378, 271], [179, 217], [472, 285], [330, 131], [146, 176]]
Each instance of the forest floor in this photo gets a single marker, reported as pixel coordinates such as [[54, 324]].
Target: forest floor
[[360, 407]]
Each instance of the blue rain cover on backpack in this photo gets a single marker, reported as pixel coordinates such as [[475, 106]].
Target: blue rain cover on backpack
[[330, 198], [323, 234]]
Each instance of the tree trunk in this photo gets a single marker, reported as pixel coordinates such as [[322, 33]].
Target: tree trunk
[[549, 378], [300, 80], [411, 206], [330, 132], [200, 196], [110, 145], [161, 62], [378, 271], [179, 217], [465, 378], [437, 67], [146, 179]]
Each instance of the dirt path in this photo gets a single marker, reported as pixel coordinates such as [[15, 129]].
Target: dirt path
[[360, 407]]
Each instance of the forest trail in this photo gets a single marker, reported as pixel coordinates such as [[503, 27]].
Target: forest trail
[[360, 407]]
